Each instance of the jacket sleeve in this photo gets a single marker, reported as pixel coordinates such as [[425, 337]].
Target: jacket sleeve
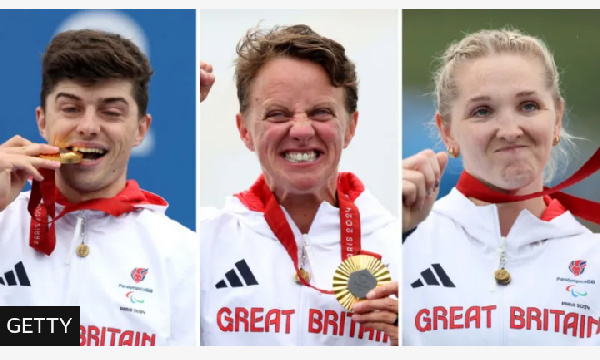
[[183, 293]]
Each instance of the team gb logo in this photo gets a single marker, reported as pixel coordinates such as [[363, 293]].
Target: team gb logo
[[139, 274], [577, 267]]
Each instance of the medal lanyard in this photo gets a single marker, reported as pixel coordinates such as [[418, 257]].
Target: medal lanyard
[[43, 237], [585, 209], [349, 230]]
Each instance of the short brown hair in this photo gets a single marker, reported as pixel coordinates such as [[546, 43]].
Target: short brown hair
[[90, 56], [296, 41]]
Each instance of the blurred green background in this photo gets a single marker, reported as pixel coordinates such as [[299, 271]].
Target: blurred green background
[[573, 36]]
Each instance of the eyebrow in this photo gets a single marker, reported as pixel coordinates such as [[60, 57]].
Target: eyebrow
[[477, 99], [104, 101], [67, 95], [525, 93], [330, 103], [487, 98], [115, 100]]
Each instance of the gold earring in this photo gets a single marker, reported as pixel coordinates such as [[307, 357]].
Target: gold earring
[[453, 152], [556, 140]]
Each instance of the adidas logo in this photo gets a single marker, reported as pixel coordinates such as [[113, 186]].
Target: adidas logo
[[233, 278], [10, 279], [431, 279]]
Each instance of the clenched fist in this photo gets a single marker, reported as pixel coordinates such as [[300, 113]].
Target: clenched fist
[[421, 176], [207, 79]]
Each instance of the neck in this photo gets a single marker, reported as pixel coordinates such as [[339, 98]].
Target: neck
[[303, 207], [508, 212], [75, 195]]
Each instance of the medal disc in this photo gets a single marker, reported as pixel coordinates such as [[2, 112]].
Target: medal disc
[[502, 277], [305, 274], [356, 276], [83, 250], [361, 282]]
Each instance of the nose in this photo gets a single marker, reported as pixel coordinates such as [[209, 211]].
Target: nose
[[301, 128], [509, 127], [89, 125]]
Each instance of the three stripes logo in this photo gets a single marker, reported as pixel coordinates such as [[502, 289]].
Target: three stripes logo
[[431, 279], [10, 277], [234, 280]]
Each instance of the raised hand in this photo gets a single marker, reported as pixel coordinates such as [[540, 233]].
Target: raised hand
[[207, 79], [421, 175], [18, 161]]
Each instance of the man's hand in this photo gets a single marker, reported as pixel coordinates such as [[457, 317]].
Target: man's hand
[[207, 79], [18, 161]]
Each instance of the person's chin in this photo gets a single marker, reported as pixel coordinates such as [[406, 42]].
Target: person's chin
[[300, 183], [84, 184], [515, 179]]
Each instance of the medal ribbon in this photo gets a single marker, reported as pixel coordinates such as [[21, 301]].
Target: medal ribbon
[[43, 238], [585, 209], [348, 189]]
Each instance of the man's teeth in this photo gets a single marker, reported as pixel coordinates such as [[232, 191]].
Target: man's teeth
[[88, 150], [301, 156]]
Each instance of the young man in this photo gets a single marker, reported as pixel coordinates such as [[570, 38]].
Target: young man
[[108, 246]]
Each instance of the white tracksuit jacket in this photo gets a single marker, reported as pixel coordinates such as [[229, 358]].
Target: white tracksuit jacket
[[248, 294], [110, 300], [450, 296]]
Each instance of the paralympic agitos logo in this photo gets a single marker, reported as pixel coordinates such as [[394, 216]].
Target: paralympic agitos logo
[[571, 289], [132, 298]]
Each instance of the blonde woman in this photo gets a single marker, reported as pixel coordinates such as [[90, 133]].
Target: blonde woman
[[485, 273]]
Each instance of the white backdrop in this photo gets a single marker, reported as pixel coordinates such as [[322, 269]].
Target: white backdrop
[[371, 41]]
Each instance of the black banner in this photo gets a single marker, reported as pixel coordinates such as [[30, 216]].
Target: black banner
[[39, 325]]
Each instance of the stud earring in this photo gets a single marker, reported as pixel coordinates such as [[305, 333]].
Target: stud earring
[[453, 152]]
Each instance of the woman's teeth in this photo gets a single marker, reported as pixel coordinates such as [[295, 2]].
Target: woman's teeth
[[301, 156]]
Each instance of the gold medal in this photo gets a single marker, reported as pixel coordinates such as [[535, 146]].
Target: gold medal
[[356, 276], [305, 274], [82, 250], [502, 277], [64, 156]]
